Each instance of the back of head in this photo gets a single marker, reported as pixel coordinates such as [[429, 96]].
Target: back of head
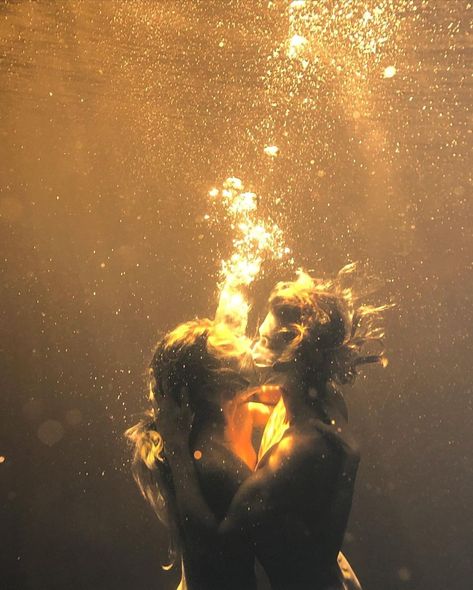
[[200, 356]]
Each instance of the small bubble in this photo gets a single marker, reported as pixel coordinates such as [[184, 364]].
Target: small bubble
[[389, 72], [271, 150]]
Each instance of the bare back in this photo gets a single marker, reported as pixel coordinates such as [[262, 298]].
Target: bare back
[[289, 504], [208, 564]]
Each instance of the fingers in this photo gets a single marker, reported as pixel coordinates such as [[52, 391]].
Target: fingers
[[183, 397]]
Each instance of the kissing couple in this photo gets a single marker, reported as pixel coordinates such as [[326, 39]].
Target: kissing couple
[[245, 453]]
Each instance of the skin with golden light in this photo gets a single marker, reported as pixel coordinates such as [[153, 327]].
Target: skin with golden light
[[267, 349]]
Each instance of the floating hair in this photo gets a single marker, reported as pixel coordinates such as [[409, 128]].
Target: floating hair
[[326, 327]]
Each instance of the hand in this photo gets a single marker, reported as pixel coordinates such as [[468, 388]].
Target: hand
[[174, 418]]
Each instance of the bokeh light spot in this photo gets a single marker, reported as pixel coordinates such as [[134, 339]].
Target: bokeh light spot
[[390, 72], [404, 574], [50, 432], [74, 417], [271, 150]]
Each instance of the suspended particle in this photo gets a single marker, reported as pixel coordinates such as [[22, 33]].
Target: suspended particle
[[389, 72], [213, 192], [271, 150]]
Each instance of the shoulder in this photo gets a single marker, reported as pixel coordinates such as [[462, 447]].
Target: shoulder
[[297, 449]]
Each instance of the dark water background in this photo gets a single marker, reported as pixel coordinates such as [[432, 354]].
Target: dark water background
[[115, 120]]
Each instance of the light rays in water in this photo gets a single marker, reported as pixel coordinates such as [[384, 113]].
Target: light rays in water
[[328, 41], [340, 47]]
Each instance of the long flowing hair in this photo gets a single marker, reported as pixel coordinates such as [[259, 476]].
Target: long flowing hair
[[204, 357]]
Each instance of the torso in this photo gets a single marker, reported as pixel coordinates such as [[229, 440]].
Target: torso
[[298, 515]]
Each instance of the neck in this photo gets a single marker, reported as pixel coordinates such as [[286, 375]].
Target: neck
[[300, 406]]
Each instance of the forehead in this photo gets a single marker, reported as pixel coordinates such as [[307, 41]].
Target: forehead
[[270, 323]]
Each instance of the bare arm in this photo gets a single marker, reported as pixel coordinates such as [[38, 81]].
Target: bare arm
[[174, 422], [263, 497]]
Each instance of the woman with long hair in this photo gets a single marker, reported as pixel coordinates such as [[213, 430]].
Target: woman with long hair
[[293, 509], [208, 361]]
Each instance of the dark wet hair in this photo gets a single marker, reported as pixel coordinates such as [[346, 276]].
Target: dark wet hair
[[325, 329]]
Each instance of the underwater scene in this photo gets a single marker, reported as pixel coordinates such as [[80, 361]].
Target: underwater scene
[[236, 283]]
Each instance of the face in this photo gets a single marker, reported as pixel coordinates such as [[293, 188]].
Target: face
[[270, 344]]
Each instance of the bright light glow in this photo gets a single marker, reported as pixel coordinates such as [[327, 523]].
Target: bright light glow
[[296, 45], [271, 150], [296, 4], [390, 72], [254, 241]]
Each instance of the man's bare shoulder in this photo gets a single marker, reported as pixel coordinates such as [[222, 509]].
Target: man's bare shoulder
[[302, 446]]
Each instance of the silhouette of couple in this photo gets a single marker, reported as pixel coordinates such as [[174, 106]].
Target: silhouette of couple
[[287, 504]]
